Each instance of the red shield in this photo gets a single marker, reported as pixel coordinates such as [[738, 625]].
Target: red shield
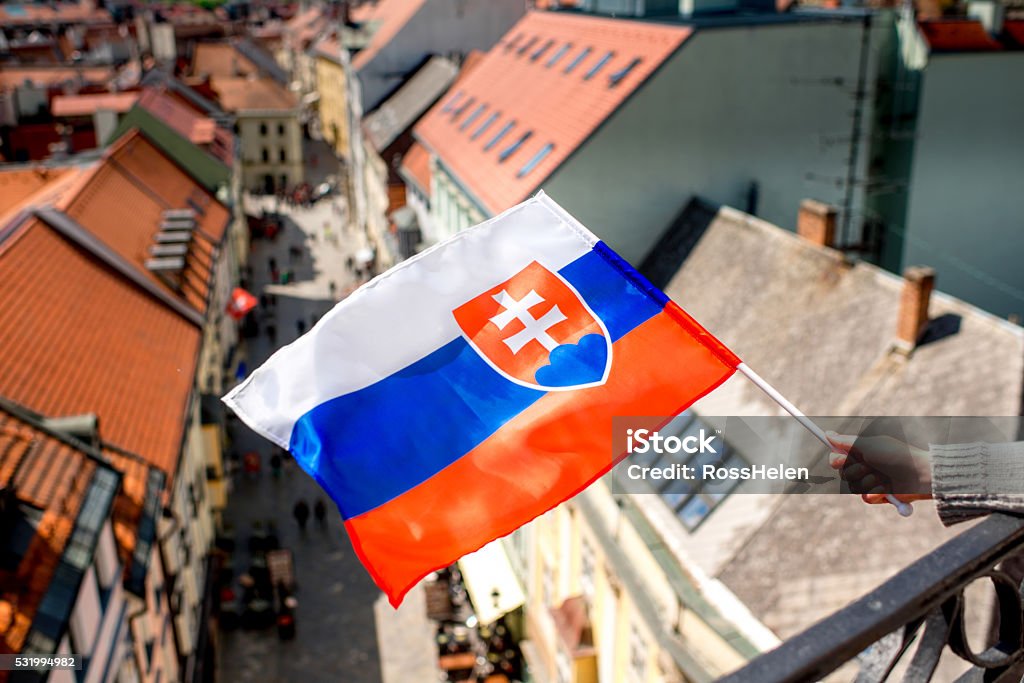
[[537, 331]]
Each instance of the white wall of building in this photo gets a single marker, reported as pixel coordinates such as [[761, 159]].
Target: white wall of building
[[275, 134]]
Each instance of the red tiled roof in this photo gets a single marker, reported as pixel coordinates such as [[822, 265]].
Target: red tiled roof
[[957, 35], [221, 59], [87, 105], [16, 185], [53, 477], [252, 94], [16, 14], [12, 76], [79, 337], [385, 18], [416, 165], [189, 123], [1014, 30], [556, 108], [123, 200]]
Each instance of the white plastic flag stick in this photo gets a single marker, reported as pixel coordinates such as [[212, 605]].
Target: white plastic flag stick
[[905, 509]]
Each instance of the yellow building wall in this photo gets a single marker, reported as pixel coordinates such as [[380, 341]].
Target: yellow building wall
[[333, 105]]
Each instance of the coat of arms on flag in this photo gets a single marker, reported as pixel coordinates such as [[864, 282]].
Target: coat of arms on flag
[[487, 368], [537, 331]]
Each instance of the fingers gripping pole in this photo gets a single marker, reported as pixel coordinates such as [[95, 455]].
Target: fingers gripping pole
[[905, 509]]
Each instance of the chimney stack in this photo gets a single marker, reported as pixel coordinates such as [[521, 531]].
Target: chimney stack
[[816, 222], [918, 283]]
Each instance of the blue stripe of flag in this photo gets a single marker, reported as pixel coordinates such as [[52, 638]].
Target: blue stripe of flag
[[370, 446]]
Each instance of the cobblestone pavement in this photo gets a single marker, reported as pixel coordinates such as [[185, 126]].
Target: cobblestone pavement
[[336, 635]]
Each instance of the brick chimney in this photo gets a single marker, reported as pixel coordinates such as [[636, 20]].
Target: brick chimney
[[918, 283], [816, 222]]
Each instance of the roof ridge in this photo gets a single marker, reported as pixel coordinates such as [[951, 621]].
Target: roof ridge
[[74, 232], [37, 421]]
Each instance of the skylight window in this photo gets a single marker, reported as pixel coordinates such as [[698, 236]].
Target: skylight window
[[501, 133], [558, 55], [451, 103], [616, 77], [511, 149], [600, 64], [579, 58], [540, 52], [537, 158], [465, 105], [527, 45], [512, 43], [472, 117], [484, 126]]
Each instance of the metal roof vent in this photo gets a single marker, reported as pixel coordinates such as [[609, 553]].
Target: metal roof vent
[[172, 245]]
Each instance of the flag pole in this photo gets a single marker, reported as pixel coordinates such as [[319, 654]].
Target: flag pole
[[905, 509]]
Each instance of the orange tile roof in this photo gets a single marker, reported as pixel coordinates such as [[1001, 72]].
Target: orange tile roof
[[416, 165], [12, 76], [221, 59], [556, 108], [957, 35], [16, 185], [48, 474], [79, 337], [187, 122], [124, 198], [86, 105], [54, 191], [385, 18], [252, 94], [16, 14]]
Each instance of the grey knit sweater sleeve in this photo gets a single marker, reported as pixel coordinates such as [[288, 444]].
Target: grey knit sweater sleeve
[[974, 479]]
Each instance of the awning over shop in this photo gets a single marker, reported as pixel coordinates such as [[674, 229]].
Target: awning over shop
[[492, 585]]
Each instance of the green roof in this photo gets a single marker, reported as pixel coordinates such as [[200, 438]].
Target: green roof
[[206, 169]]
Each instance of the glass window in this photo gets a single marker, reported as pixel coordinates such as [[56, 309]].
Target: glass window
[[484, 126], [472, 117], [537, 158], [579, 58], [265, 154], [637, 654], [281, 156], [512, 43], [694, 512], [540, 51], [280, 129], [511, 149], [501, 133], [452, 102], [558, 55], [463, 107], [616, 77], [263, 129], [597, 67], [527, 45]]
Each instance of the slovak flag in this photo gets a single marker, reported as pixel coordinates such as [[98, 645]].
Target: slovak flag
[[472, 388]]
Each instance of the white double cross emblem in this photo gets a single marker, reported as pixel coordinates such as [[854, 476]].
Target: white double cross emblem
[[533, 328]]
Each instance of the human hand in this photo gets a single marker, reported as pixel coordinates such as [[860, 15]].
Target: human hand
[[875, 466]]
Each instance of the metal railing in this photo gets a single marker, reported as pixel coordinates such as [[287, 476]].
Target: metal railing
[[912, 618]]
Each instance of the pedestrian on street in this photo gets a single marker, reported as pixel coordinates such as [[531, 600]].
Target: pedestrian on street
[[275, 276], [350, 263], [332, 287], [300, 326], [320, 512], [275, 465], [301, 514], [272, 264], [264, 302], [272, 332]]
